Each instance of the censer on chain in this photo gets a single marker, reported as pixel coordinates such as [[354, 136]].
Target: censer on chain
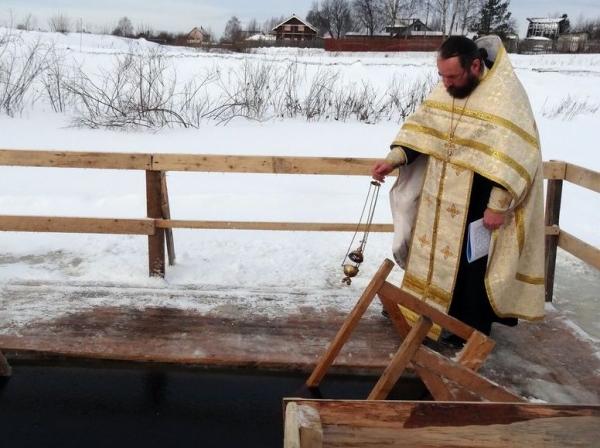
[[354, 258]]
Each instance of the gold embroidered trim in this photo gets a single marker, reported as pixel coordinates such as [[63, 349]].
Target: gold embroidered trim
[[490, 118], [428, 292], [529, 279], [509, 161], [520, 225]]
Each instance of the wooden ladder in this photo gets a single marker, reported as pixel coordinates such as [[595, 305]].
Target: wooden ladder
[[447, 378]]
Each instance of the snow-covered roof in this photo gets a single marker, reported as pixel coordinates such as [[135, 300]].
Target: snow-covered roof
[[261, 36], [294, 16], [547, 20]]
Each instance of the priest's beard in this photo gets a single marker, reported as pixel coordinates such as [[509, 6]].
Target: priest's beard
[[464, 91]]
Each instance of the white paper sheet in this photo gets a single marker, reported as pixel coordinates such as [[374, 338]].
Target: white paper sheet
[[478, 243]]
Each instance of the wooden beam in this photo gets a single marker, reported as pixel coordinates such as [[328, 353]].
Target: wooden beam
[[400, 361], [583, 177], [166, 214], [580, 249], [291, 429], [77, 225], [63, 159], [349, 324], [555, 169], [156, 242], [266, 225], [263, 164], [418, 306], [352, 423], [463, 376], [551, 219]]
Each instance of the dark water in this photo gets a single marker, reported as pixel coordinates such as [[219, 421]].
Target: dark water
[[124, 405]]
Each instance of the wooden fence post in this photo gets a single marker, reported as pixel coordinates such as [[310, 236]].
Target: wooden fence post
[[166, 214], [552, 215], [156, 242]]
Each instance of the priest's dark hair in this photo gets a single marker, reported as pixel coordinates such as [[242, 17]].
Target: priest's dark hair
[[462, 47]]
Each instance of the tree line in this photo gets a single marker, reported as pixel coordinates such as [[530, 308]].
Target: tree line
[[336, 18]]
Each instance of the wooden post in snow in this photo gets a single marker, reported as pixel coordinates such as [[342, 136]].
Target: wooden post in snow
[[156, 242], [552, 215]]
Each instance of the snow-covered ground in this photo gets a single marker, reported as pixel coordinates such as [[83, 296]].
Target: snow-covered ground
[[256, 259]]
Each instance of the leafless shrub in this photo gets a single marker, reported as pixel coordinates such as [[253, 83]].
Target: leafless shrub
[[569, 108], [60, 23], [320, 91], [53, 81], [21, 64], [139, 92]]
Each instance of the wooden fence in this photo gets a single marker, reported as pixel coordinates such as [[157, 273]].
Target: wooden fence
[[158, 223]]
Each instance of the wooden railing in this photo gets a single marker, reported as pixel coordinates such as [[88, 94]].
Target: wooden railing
[[158, 222]]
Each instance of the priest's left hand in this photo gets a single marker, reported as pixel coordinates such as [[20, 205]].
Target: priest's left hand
[[493, 220]]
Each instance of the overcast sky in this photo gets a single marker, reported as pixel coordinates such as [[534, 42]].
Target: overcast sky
[[183, 15]]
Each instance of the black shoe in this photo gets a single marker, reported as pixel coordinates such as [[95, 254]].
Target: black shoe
[[451, 340], [385, 314]]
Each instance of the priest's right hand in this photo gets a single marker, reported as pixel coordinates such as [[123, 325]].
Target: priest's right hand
[[380, 169]]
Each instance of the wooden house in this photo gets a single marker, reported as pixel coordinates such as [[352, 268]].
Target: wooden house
[[407, 27], [198, 36], [548, 27], [294, 28]]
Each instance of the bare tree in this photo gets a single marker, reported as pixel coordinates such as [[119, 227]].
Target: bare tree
[[332, 16], [369, 14], [233, 30], [144, 30], [60, 23], [124, 28], [253, 27], [391, 9], [273, 22], [29, 23]]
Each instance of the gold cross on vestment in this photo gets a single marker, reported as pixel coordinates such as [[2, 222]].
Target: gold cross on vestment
[[450, 146]]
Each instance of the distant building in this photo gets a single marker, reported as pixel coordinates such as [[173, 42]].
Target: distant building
[[408, 27], [550, 28], [197, 36], [294, 28]]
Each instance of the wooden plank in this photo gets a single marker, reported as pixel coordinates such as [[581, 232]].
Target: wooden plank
[[583, 177], [63, 159], [291, 426], [427, 414], [551, 218], [453, 325], [263, 164], [156, 242], [350, 324], [555, 169], [398, 364], [77, 225], [302, 427], [556, 432], [580, 249], [311, 430], [166, 214], [464, 376], [435, 384], [269, 225], [476, 350]]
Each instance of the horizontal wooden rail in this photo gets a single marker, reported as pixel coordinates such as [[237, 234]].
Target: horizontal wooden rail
[[266, 225], [77, 225], [583, 177], [224, 164], [96, 160], [554, 171], [580, 249], [263, 164]]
